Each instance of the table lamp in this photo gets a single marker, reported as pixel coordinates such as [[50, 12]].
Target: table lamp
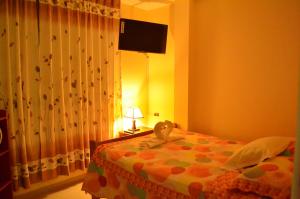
[[133, 113]]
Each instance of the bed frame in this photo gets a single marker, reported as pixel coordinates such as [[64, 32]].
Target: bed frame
[[94, 143]]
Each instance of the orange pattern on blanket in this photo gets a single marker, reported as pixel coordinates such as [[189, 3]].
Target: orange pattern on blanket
[[115, 155], [129, 153], [269, 167], [177, 170], [184, 168], [92, 182], [202, 148], [147, 155], [137, 167], [221, 188], [112, 179], [195, 188], [272, 178], [199, 171], [159, 173]]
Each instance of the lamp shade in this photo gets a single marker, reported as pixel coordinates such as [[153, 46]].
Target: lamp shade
[[133, 113]]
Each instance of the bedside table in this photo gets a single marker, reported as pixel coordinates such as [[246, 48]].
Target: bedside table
[[6, 190], [142, 131]]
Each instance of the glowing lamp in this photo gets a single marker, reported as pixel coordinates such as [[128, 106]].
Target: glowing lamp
[[133, 113]]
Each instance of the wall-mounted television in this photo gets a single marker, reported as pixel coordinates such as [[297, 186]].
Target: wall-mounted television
[[142, 36]]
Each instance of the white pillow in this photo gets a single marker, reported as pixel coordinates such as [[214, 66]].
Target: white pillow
[[257, 151]]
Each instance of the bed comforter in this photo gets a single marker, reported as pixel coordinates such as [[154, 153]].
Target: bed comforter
[[186, 168]]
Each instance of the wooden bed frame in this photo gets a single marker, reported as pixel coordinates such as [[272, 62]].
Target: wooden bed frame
[[94, 144]]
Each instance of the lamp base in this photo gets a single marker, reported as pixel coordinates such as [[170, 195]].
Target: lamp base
[[133, 128], [131, 131]]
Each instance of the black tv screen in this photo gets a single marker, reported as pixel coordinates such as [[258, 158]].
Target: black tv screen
[[142, 36]]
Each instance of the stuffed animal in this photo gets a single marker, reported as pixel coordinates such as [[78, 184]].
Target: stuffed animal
[[162, 130]]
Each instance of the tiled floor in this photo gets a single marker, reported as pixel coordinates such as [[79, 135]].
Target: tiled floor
[[73, 192], [62, 187]]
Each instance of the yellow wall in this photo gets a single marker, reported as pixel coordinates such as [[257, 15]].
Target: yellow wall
[[244, 62], [134, 83], [180, 19], [161, 73], [149, 82]]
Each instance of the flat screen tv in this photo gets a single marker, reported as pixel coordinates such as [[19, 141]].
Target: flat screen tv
[[142, 36]]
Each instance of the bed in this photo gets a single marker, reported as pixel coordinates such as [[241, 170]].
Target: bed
[[189, 167]]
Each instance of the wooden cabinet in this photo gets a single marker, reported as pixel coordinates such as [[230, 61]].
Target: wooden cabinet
[[6, 191]]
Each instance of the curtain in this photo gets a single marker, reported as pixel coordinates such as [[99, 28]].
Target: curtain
[[60, 82]]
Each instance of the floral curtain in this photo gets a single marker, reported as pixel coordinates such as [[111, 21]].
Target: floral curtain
[[60, 82]]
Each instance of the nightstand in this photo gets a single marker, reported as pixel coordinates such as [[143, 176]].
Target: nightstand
[[142, 131], [5, 177]]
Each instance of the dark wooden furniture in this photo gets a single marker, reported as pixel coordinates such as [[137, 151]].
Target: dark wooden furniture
[[6, 191]]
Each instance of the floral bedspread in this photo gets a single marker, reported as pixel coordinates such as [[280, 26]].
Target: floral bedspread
[[269, 179], [272, 178], [178, 169]]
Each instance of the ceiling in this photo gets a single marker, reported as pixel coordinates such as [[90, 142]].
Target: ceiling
[[147, 4]]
